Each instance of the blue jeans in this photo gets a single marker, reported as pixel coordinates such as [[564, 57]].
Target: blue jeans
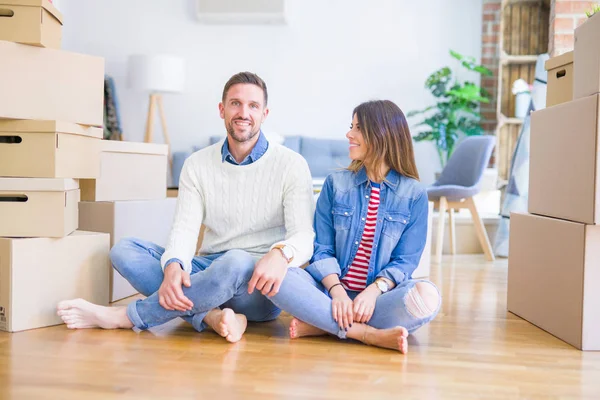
[[218, 280], [306, 299]]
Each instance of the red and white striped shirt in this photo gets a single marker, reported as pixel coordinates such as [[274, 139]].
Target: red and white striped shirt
[[356, 277]]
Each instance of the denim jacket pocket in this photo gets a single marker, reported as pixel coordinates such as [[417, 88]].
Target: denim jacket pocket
[[342, 216], [394, 224]]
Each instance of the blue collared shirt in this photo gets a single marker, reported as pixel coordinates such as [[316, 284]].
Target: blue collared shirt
[[340, 217], [257, 152], [259, 149]]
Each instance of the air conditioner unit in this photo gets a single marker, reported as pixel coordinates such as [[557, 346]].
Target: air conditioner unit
[[267, 12]]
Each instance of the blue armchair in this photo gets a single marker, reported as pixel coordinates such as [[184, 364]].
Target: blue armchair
[[459, 181]]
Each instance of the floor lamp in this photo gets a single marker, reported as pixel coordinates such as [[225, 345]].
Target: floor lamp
[[156, 74]]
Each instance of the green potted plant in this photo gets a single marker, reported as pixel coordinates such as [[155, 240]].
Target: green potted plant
[[456, 110], [595, 10]]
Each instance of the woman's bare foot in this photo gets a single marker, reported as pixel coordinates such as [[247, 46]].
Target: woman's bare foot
[[81, 314], [393, 338], [227, 323], [299, 329]]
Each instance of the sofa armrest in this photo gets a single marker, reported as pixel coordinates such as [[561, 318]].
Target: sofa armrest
[[179, 158]]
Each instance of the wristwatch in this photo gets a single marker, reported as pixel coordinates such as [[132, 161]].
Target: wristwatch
[[287, 252], [382, 285]]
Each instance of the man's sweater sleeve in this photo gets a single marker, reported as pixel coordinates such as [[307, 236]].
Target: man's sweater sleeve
[[298, 209], [189, 215]]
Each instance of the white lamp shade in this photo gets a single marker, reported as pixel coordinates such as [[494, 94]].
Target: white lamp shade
[[156, 73]]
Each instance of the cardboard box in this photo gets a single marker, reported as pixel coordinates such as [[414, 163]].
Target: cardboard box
[[563, 167], [49, 149], [32, 22], [37, 207], [128, 171], [587, 58], [560, 79], [554, 277], [147, 220], [36, 274], [49, 84]]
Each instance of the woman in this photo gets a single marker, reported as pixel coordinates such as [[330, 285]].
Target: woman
[[371, 227]]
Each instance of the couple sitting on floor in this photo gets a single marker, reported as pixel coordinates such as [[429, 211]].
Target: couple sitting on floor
[[362, 243]]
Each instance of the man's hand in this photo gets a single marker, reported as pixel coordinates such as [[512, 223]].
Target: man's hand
[[341, 307], [268, 274], [364, 303], [170, 294]]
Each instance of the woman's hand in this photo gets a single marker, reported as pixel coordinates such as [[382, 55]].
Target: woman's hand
[[341, 306], [364, 304]]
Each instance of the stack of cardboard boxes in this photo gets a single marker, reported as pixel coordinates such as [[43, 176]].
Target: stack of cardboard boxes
[[51, 106], [128, 200], [554, 259], [52, 156]]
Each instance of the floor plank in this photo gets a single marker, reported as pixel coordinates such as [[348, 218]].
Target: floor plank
[[473, 350]]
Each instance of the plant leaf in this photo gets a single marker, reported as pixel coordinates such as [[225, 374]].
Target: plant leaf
[[438, 81], [417, 112], [483, 70], [425, 135]]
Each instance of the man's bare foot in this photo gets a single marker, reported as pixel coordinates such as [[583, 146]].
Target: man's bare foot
[[299, 329], [393, 338], [227, 323], [81, 314]]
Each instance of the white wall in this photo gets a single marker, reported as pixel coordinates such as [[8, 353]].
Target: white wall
[[332, 55]]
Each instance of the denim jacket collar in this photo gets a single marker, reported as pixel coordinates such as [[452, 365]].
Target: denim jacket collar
[[392, 179]]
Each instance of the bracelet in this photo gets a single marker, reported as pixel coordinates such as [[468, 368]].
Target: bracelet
[[337, 284]]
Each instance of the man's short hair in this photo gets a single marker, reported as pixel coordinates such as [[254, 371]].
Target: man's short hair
[[246, 77]]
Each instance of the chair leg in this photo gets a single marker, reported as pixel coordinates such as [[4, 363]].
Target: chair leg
[[440, 229], [452, 231], [480, 230]]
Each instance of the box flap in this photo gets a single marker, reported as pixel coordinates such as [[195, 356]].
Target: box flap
[[26, 125], [591, 296], [564, 133], [545, 254], [36, 3], [5, 283], [559, 61], [116, 146], [37, 184]]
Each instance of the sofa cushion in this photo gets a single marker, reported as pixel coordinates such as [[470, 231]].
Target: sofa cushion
[[325, 156], [293, 142]]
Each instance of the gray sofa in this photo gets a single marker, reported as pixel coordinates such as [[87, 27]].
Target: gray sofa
[[322, 155]]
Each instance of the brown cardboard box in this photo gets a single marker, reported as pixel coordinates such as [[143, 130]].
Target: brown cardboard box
[[128, 171], [554, 277], [563, 167], [49, 84], [37, 207], [32, 22], [560, 79], [36, 274], [587, 58], [149, 220], [49, 149]]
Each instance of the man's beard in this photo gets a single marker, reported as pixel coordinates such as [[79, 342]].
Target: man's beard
[[238, 138]]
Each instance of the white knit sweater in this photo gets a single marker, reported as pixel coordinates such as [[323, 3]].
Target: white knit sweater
[[250, 207]]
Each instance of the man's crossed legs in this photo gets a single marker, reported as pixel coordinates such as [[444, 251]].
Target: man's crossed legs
[[218, 291]]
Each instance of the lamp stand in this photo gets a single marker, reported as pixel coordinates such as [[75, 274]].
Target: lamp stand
[[156, 102]]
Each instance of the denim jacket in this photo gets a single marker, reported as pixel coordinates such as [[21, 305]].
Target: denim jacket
[[400, 233]]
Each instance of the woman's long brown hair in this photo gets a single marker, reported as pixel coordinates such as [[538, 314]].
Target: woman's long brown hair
[[387, 137]]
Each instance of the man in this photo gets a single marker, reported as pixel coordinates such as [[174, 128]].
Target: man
[[255, 200]]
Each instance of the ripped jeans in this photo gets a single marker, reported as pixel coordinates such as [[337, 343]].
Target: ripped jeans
[[306, 299]]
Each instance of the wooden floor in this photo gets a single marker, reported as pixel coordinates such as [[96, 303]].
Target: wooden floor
[[473, 350]]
